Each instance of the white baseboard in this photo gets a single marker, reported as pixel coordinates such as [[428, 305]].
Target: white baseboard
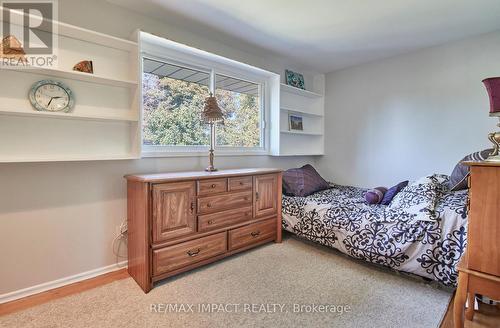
[[17, 294]]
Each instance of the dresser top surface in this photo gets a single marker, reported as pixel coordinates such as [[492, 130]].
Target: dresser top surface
[[197, 175], [481, 163]]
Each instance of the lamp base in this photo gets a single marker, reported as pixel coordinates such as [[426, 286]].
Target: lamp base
[[210, 167], [494, 137]]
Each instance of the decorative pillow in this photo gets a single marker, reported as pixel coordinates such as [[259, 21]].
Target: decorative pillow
[[303, 181], [458, 178], [375, 195], [393, 191], [418, 200], [293, 179]]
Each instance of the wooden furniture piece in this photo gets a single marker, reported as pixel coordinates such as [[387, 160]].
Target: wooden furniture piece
[[479, 269], [180, 221]]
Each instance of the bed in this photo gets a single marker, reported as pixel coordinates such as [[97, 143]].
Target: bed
[[427, 240]]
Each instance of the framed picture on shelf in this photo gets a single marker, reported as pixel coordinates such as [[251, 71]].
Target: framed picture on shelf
[[295, 122], [294, 79]]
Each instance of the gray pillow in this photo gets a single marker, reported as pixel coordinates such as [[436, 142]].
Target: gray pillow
[[458, 178]]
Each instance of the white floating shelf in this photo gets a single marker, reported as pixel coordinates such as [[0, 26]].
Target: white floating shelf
[[105, 122], [301, 111], [78, 76], [68, 159], [300, 92], [302, 133], [74, 32], [311, 107], [127, 117], [83, 34]]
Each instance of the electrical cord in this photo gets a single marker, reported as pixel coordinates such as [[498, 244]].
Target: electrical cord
[[119, 240]]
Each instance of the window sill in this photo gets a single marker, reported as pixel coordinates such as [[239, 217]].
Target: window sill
[[217, 153]]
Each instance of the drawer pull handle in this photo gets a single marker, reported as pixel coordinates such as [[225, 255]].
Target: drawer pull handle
[[192, 207], [241, 183], [209, 205], [255, 234], [210, 221], [214, 185], [257, 196], [194, 253]]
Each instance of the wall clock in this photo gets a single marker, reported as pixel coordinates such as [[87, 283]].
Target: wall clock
[[51, 96]]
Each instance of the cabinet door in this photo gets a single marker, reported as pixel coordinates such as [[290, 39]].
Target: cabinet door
[[266, 195], [173, 210]]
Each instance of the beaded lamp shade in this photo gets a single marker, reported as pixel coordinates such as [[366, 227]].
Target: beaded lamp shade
[[212, 113], [493, 87]]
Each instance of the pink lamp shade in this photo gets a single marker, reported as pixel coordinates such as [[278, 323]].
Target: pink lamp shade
[[493, 87]]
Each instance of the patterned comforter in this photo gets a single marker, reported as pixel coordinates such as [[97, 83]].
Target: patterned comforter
[[340, 218]]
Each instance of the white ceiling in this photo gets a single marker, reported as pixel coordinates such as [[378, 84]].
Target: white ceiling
[[328, 35]]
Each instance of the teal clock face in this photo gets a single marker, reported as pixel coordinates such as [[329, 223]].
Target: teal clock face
[[51, 96]]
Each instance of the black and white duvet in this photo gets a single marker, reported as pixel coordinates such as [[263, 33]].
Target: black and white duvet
[[422, 231]]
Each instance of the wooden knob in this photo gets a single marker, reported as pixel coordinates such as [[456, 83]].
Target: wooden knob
[[241, 183], [213, 185], [209, 205], [210, 222]]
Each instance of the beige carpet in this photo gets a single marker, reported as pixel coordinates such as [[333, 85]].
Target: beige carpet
[[290, 273]]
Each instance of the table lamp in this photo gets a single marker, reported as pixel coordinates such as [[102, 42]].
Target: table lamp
[[493, 87], [212, 114]]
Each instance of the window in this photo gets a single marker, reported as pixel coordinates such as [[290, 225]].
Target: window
[[240, 102], [174, 95]]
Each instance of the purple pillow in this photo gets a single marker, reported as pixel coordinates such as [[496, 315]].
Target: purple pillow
[[375, 195], [303, 181], [393, 191]]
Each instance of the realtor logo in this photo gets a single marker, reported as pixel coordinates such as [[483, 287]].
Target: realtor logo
[[28, 33]]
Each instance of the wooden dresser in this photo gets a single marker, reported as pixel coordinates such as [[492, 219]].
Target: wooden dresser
[[179, 221], [479, 269]]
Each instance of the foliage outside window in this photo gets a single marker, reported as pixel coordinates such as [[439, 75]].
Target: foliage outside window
[[240, 103]]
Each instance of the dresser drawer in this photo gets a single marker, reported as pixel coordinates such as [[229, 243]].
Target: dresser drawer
[[218, 203], [252, 233], [211, 186], [180, 255], [240, 183], [223, 219]]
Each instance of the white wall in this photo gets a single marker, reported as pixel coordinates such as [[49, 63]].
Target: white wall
[[410, 115], [59, 219]]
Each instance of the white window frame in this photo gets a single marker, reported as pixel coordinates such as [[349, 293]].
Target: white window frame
[[171, 52]]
